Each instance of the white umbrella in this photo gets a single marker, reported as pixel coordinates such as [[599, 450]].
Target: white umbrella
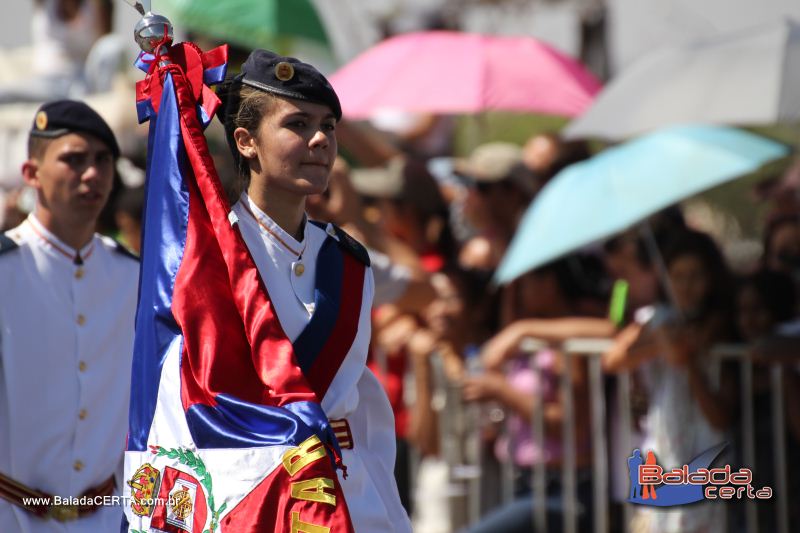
[[747, 77]]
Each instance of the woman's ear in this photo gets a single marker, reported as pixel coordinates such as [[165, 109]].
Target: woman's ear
[[245, 142]]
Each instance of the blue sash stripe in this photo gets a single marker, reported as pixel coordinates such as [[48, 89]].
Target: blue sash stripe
[[233, 423], [327, 297]]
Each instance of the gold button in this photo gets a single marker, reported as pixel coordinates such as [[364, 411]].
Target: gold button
[[79, 273], [82, 366], [82, 414], [299, 268], [78, 466], [81, 320]]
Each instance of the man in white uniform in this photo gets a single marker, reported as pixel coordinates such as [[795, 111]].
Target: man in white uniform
[[66, 333]]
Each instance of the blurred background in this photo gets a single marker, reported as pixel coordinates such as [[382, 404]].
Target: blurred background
[[584, 218]]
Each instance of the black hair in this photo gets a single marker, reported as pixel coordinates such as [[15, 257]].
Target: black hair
[[474, 287], [663, 226], [775, 222], [702, 246], [579, 276], [130, 200], [777, 292]]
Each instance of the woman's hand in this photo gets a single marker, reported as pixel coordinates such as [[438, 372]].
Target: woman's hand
[[499, 348], [421, 344], [395, 333], [489, 386], [681, 345]]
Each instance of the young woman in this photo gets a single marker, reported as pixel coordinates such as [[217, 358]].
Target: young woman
[[692, 398], [280, 120]]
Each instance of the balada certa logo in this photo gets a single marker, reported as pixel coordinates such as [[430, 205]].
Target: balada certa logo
[[652, 484]]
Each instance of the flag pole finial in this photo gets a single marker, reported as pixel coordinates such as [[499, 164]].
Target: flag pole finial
[[153, 33]]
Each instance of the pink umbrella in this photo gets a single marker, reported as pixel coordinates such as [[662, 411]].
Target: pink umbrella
[[453, 72]]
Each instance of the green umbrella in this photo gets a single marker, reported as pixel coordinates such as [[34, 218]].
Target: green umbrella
[[248, 23]]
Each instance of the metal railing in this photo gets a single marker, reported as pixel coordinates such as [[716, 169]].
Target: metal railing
[[462, 454]]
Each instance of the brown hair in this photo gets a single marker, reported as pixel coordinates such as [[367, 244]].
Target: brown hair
[[244, 107], [37, 146]]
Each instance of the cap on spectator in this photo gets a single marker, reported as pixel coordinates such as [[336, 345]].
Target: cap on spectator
[[289, 77], [495, 162], [402, 179], [380, 182], [57, 118]]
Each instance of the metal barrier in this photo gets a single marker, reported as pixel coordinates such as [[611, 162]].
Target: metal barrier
[[780, 491], [592, 349], [577, 347], [461, 441]]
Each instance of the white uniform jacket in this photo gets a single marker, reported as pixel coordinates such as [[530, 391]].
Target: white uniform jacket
[[66, 340], [354, 394]]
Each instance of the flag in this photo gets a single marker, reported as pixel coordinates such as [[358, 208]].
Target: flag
[[226, 428]]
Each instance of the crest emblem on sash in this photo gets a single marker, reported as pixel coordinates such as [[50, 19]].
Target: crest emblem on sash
[[181, 505], [143, 486], [181, 502]]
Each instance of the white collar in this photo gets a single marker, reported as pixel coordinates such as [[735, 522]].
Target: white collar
[[270, 228], [63, 249]]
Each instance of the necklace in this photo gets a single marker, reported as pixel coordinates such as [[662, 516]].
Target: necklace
[[76, 257], [298, 267]]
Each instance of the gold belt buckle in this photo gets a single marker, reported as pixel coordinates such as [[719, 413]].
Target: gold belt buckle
[[63, 513]]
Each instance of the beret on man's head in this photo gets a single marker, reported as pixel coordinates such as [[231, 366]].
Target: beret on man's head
[[60, 117], [289, 77]]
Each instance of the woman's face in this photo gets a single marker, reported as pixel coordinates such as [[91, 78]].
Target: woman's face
[[690, 282], [785, 248], [445, 313], [294, 148], [752, 316]]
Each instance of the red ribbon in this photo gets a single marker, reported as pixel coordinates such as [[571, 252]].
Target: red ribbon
[[186, 58]]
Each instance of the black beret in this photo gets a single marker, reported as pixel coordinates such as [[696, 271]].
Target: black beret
[[60, 117], [289, 77]]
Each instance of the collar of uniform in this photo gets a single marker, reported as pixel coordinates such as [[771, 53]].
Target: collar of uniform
[[265, 219], [50, 240]]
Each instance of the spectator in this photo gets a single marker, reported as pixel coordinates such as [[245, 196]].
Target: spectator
[[501, 190], [455, 324], [546, 154], [64, 32], [128, 211], [672, 344], [552, 292], [765, 300], [421, 135], [407, 204]]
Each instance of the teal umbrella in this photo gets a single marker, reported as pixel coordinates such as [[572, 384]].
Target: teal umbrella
[[248, 23], [596, 198]]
